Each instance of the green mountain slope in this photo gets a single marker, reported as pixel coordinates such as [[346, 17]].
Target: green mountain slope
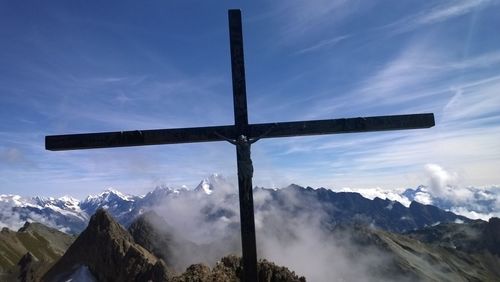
[[45, 245]]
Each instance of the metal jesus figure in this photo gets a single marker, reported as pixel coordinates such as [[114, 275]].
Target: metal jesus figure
[[242, 134], [243, 154]]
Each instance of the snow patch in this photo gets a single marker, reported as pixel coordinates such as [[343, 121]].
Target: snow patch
[[423, 198], [81, 274], [372, 193]]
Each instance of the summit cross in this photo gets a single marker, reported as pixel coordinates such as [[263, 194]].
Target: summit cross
[[242, 135]]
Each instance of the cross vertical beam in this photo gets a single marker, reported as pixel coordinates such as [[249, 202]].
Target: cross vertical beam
[[244, 162], [238, 72]]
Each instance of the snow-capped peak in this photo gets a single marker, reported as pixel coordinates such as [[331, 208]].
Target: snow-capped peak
[[159, 192], [205, 186], [111, 191], [214, 182], [108, 195], [62, 202], [69, 200]]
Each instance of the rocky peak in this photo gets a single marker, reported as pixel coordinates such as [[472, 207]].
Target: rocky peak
[[215, 183], [205, 186], [101, 223], [110, 254]]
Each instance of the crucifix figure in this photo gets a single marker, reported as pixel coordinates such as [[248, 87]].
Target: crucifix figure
[[242, 134]]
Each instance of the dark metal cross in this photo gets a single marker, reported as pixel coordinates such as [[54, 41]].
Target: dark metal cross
[[240, 134]]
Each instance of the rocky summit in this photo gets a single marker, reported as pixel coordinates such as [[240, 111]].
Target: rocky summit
[[229, 268]]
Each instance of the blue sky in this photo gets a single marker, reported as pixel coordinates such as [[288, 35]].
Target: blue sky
[[85, 66]]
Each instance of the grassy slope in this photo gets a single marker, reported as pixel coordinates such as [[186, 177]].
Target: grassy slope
[[46, 244]]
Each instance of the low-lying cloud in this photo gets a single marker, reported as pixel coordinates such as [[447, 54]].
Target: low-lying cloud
[[286, 234]]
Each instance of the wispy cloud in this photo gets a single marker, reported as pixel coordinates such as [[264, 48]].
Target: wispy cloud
[[436, 14], [420, 77], [306, 16], [323, 44], [452, 10]]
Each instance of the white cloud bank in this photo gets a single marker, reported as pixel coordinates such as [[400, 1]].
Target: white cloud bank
[[444, 189]]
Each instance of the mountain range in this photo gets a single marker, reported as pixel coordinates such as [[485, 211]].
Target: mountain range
[[389, 210]]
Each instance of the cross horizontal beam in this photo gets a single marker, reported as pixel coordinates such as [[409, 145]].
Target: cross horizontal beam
[[217, 133], [136, 138], [342, 125]]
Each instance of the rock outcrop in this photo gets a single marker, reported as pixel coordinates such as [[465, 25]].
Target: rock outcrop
[[229, 268], [28, 266]]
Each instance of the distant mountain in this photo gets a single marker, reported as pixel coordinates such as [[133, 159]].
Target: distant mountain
[[112, 200], [472, 202], [63, 214], [348, 207], [26, 254], [217, 199]]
